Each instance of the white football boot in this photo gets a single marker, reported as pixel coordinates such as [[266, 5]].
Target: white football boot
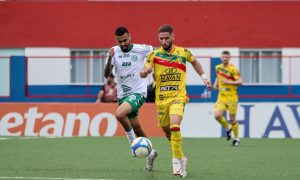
[[150, 160], [177, 171], [183, 162]]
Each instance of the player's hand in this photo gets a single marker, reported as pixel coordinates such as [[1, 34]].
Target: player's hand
[[208, 84], [111, 52], [215, 87], [148, 70]]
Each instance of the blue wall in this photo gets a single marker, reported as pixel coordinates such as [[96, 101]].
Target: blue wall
[[75, 93]]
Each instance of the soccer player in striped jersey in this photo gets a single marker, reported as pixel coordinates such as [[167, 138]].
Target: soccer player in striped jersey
[[128, 59], [228, 78], [168, 64]]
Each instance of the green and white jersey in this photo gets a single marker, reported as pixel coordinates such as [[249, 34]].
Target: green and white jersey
[[127, 67]]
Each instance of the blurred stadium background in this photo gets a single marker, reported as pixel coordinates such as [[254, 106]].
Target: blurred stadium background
[[52, 56]]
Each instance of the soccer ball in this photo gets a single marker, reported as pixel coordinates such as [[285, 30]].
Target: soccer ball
[[141, 147]]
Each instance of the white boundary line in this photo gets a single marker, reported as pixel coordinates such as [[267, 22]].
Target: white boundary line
[[48, 178], [30, 137], [17, 138], [39, 137]]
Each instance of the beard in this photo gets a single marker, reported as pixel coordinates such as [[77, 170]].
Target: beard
[[167, 47], [125, 48]]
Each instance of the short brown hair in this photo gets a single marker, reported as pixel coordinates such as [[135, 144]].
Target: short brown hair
[[121, 30], [165, 28], [226, 52]]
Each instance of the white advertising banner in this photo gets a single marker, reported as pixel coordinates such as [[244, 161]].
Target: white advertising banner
[[257, 120]]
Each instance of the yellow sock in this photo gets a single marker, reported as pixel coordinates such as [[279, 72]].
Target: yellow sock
[[176, 141], [224, 123], [235, 129]]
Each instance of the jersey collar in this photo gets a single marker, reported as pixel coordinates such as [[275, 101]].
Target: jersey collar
[[173, 49]]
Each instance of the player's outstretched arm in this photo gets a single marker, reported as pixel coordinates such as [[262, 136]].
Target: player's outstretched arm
[[216, 84], [237, 82], [108, 66], [100, 95]]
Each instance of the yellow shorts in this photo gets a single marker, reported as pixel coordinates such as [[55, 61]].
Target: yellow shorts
[[164, 112], [230, 106]]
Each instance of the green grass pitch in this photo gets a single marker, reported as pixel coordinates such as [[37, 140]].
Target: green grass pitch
[[110, 158]]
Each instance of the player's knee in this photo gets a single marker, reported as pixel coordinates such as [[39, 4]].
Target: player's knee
[[119, 115], [218, 116]]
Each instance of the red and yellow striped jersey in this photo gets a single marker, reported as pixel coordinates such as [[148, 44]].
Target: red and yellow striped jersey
[[227, 92], [170, 73]]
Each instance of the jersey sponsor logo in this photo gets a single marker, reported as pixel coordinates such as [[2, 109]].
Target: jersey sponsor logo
[[225, 89], [127, 76], [134, 57], [132, 97], [171, 75], [169, 88], [171, 70], [124, 56], [126, 64], [177, 102], [162, 97], [126, 88]]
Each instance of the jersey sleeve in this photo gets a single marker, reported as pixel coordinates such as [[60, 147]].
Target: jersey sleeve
[[189, 56], [148, 48], [235, 73], [149, 59]]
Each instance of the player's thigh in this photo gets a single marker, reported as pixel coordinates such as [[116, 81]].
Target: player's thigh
[[163, 117], [220, 109], [176, 112], [135, 101], [124, 109], [232, 109]]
